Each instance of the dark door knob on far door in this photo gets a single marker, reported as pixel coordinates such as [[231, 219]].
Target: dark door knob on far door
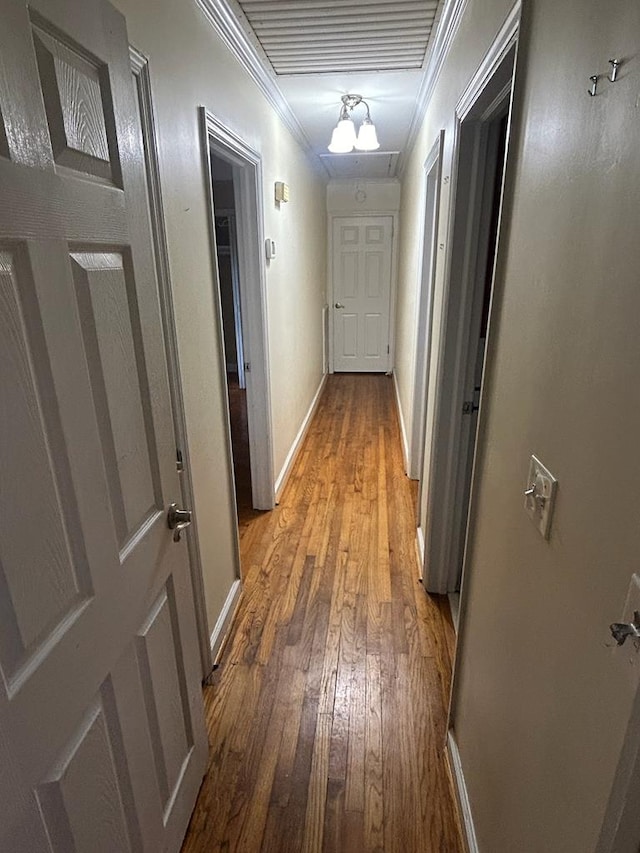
[[177, 520], [339, 305]]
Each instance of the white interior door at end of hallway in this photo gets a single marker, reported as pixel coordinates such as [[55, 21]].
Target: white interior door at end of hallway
[[361, 274], [102, 740]]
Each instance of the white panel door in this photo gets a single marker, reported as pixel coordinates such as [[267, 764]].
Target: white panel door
[[361, 268], [102, 741]]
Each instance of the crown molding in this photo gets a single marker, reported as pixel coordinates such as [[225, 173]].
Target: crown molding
[[438, 49], [228, 27], [503, 42]]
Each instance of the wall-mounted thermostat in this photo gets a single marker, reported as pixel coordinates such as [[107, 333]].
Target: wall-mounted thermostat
[[281, 191], [270, 248]]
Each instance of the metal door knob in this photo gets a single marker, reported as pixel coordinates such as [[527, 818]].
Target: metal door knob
[[621, 630], [177, 520], [339, 305]]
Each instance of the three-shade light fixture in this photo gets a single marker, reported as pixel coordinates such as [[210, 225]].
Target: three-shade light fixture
[[344, 138]]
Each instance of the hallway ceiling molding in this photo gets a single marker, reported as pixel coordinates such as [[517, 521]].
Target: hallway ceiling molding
[[305, 54], [227, 25], [438, 48]]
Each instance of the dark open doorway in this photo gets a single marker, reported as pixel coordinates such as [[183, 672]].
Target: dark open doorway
[[225, 218]]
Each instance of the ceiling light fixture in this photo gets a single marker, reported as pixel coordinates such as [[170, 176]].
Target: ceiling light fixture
[[344, 138]]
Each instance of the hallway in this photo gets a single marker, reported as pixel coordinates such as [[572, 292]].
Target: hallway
[[327, 714]]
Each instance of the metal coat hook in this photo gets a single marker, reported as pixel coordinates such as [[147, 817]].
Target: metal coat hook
[[594, 85], [615, 64]]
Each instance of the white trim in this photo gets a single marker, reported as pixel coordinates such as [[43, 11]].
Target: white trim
[[248, 183], [226, 22], [330, 299], [454, 607], [502, 43], [393, 294], [419, 544], [140, 69], [283, 476], [224, 619], [439, 46], [443, 550], [462, 795], [620, 822], [428, 255], [403, 431]]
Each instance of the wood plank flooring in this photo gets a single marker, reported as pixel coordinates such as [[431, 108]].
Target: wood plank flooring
[[327, 713]]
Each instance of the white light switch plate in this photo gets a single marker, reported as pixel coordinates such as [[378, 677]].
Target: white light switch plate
[[539, 505]]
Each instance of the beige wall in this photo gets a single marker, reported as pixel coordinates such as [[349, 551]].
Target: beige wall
[[191, 67], [541, 703], [351, 197]]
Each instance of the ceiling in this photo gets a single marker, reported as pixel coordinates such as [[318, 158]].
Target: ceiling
[[315, 51]]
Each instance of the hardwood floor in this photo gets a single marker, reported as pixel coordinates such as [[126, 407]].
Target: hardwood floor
[[327, 713]]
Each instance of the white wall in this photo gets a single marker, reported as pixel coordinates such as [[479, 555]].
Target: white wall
[[190, 67], [352, 197], [541, 704]]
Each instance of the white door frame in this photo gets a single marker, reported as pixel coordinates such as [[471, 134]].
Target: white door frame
[[477, 108], [247, 182], [428, 254], [620, 831], [350, 214], [140, 69]]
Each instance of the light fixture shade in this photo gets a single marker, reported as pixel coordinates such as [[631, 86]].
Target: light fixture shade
[[343, 138], [367, 138]]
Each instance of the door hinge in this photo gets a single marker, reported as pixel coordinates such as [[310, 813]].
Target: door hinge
[[179, 461], [387, 349]]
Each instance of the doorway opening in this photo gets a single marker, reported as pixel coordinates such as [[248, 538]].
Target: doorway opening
[[234, 185], [480, 145], [224, 208]]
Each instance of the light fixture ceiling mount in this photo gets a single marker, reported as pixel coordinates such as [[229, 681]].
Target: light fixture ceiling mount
[[344, 138]]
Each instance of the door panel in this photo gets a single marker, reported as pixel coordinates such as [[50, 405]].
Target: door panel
[[83, 810], [349, 335], [374, 274], [102, 738], [362, 249], [372, 335], [165, 694], [77, 99], [105, 295], [349, 274], [55, 561]]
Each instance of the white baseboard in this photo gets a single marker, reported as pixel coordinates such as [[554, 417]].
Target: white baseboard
[[224, 619], [420, 550], [461, 793], [454, 607], [403, 431], [293, 452]]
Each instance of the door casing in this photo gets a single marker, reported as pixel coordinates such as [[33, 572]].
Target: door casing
[[142, 78], [428, 258], [248, 182], [479, 106]]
